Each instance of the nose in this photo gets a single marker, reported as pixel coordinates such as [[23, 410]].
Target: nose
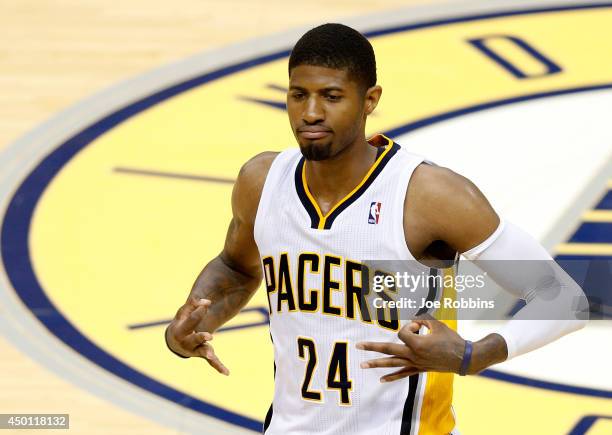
[[313, 112]]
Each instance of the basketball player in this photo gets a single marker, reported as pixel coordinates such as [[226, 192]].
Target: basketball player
[[303, 218]]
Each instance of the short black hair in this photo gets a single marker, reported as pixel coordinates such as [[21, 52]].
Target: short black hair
[[337, 46]]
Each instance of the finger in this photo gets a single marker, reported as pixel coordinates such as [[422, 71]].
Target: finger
[[407, 333], [388, 348], [195, 339], [208, 353], [414, 327], [188, 324], [399, 374], [190, 306], [391, 361], [186, 308], [428, 320]]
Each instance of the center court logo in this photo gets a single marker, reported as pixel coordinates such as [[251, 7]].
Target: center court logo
[[143, 205]]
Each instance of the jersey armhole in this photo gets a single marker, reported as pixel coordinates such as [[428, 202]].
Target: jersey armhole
[[402, 191], [271, 177]]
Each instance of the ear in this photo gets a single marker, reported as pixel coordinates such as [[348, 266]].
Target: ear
[[372, 96]]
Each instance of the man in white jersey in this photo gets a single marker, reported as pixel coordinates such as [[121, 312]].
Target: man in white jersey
[[304, 218]]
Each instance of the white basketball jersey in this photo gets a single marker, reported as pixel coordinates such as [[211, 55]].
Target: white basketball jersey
[[311, 268]]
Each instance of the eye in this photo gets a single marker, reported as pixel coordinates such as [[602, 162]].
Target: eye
[[297, 95], [331, 97]]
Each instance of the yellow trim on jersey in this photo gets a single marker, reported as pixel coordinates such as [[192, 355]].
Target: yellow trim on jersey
[[436, 412], [322, 218]]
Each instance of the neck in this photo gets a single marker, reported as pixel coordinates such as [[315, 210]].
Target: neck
[[331, 179]]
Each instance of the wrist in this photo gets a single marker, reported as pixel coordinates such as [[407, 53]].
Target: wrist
[[486, 352], [168, 344]]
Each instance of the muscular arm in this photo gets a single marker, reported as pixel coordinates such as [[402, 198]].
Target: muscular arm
[[446, 213], [229, 280]]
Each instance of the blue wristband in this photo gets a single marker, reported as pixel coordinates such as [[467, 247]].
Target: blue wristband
[[467, 356]]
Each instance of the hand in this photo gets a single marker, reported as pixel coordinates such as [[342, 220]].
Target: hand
[[439, 351], [185, 340]]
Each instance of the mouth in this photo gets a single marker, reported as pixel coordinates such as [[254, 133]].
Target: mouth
[[313, 132]]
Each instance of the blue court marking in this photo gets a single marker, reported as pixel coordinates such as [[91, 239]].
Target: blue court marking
[[593, 232], [554, 386], [18, 217], [606, 202], [262, 310], [586, 422], [481, 44]]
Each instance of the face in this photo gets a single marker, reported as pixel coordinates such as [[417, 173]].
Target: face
[[327, 109]]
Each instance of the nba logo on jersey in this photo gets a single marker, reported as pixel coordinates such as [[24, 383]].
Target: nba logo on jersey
[[374, 213]]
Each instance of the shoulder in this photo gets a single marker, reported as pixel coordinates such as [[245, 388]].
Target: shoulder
[[440, 183], [444, 205], [249, 184], [255, 170]]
